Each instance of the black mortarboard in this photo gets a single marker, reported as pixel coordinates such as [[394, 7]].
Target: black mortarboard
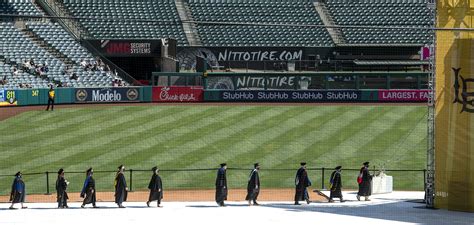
[[60, 171], [255, 165], [303, 163], [154, 168], [17, 174], [366, 164], [223, 164], [338, 167]]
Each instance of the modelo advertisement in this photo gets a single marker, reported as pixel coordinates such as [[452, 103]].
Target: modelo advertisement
[[7, 98], [98, 95], [177, 94], [403, 95], [288, 96]]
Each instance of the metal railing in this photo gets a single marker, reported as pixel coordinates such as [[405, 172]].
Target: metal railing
[[188, 179], [313, 66]]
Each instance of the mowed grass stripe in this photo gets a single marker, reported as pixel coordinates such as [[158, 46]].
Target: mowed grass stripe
[[169, 146], [40, 143], [187, 150], [171, 137], [104, 160], [297, 150], [398, 133], [168, 158], [33, 130], [81, 150], [32, 117], [75, 134], [206, 138], [259, 135], [122, 156], [53, 150], [358, 136], [93, 144], [331, 134], [274, 154], [341, 130]]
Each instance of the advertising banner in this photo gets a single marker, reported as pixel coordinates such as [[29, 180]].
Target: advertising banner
[[98, 95], [256, 81], [454, 111], [177, 94], [8, 98], [288, 96], [403, 95], [128, 48]]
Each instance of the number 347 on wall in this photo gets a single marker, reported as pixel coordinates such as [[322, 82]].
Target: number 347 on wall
[[35, 93]]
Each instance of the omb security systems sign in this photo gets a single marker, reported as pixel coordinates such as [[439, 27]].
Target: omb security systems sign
[[285, 96], [85, 95]]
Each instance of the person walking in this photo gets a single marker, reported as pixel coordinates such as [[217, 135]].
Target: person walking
[[18, 192], [121, 189], [156, 188], [365, 182], [88, 190], [301, 183], [253, 185], [336, 185], [61, 186], [221, 185]]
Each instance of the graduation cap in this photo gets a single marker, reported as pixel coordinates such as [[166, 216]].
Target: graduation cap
[[303, 163], [60, 171], [255, 165], [154, 168], [89, 170], [18, 174], [338, 167], [223, 164], [366, 164]]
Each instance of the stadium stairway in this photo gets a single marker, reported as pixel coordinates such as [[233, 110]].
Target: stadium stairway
[[57, 8], [41, 43], [326, 17], [190, 29]]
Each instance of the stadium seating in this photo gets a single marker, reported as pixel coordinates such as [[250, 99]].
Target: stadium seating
[[128, 19], [60, 39], [17, 48], [413, 13], [269, 11], [22, 7]]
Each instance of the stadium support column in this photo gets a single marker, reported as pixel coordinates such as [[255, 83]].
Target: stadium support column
[[430, 164]]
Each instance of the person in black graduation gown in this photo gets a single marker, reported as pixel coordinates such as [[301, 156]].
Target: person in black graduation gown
[[336, 185], [88, 190], [156, 188], [61, 194], [365, 187], [253, 186], [121, 188], [18, 192], [221, 185], [302, 182]]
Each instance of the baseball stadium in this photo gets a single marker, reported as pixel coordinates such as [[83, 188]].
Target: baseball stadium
[[196, 111]]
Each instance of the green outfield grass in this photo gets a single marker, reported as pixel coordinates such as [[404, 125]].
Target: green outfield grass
[[202, 136]]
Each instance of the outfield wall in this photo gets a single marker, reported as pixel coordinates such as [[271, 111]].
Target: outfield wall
[[25, 97]]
